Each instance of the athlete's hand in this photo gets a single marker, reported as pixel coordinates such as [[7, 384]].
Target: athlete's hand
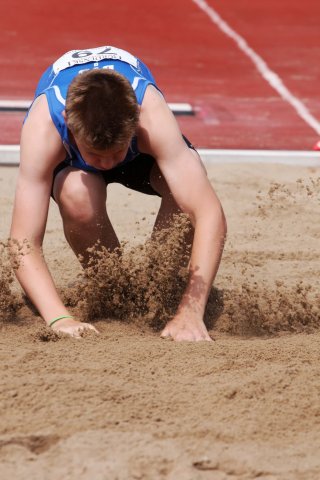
[[188, 328], [72, 327]]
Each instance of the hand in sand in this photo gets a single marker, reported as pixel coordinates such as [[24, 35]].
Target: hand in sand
[[72, 327], [185, 328]]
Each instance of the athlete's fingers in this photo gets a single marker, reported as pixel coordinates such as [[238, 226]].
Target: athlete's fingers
[[88, 326], [165, 334]]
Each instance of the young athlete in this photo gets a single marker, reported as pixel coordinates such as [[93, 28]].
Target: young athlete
[[98, 117]]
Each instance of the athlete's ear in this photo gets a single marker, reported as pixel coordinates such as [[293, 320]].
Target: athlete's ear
[[64, 115]]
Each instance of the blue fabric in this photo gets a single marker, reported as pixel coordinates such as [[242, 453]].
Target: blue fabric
[[55, 81]]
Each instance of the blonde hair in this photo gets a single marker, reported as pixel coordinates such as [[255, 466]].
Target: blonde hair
[[101, 109]]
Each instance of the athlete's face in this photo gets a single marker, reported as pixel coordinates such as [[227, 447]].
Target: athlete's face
[[103, 160]]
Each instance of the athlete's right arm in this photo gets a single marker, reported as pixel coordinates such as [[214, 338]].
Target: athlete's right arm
[[41, 150]]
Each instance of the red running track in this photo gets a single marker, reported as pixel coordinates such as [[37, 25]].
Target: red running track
[[192, 59]]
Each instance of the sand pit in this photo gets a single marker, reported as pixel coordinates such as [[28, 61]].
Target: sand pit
[[128, 405]]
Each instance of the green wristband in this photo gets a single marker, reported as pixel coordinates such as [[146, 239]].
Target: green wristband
[[59, 318]]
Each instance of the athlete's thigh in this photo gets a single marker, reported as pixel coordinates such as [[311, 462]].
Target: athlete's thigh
[[73, 184]]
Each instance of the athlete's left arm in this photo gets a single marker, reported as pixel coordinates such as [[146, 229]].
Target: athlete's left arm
[[194, 194]]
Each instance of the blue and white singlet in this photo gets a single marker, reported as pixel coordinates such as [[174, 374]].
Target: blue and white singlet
[[55, 81]]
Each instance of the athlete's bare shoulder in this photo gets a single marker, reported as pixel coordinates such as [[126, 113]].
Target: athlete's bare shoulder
[[40, 108], [152, 99], [158, 129], [39, 137]]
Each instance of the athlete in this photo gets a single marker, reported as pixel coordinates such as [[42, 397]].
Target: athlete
[[98, 117]]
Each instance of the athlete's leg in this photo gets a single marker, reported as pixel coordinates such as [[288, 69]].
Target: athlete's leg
[[81, 197], [168, 206]]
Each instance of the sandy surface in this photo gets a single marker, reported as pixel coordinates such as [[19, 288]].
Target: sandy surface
[[128, 405]]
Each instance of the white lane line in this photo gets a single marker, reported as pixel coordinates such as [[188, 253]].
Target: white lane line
[[15, 104], [270, 76], [179, 108], [284, 157], [9, 156]]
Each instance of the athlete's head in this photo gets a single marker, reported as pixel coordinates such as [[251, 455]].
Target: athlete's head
[[101, 110]]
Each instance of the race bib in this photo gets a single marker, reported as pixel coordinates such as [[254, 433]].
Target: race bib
[[78, 57]]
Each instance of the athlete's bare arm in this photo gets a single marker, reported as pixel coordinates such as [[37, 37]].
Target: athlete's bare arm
[[41, 151], [159, 135]]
